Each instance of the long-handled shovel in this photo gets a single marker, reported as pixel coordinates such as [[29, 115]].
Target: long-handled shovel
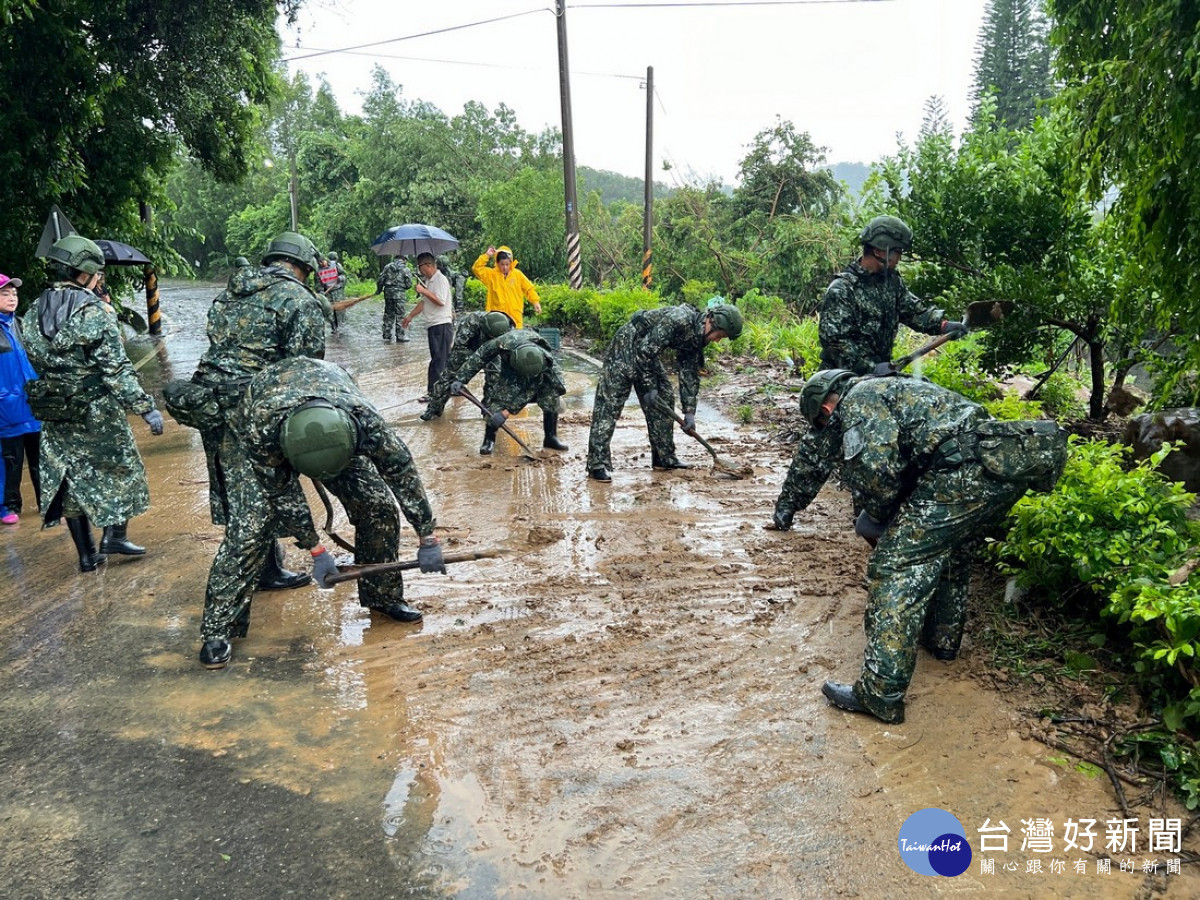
[[349, 573], [487, 412], [980, 314], [722, 465]]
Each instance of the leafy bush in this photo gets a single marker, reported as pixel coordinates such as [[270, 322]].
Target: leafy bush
[[1060, 397], [1012, 408], [1104, 525], [793, 341], [959, 367], [595, 314]]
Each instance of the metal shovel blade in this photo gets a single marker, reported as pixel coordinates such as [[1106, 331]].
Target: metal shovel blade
[[724, 466]]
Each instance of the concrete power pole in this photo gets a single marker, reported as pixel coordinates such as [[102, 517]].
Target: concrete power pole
[[574, 269], [648, 211]]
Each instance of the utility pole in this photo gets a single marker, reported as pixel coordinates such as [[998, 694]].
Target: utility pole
[[293, 189], [153, 313], [648, 205], [574, 270]]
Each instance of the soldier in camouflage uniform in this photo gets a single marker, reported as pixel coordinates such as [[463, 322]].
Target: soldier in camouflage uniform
[[458, 282], [471, 332], [91, 472], [912, 454], [266, 314], [336, 290], [528, 374], [633, 363], [865, 305], [305, 416], [393, 282]]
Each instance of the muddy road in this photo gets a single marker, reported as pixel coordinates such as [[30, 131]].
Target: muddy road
[[628, 706]]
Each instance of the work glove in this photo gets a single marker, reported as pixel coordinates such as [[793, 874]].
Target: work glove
[[956, 330], [651, 396], [155, 420], [783, 519], [869, 528], [456, 387], [689, 421], [429, 556], [498, 419], [323, 567]]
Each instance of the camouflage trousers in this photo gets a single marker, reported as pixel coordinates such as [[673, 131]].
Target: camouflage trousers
[[617, 379], [919, 574], [393, 312], [440, 393]]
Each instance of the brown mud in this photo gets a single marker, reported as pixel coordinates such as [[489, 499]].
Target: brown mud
[[626, 706]]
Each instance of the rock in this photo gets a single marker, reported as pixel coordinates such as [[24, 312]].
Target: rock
[[1146, 433], [1122, 401]]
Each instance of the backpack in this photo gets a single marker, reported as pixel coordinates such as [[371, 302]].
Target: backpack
[[1030, 452]]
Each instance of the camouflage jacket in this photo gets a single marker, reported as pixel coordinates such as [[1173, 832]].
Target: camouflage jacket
[[860, 315], [884, 435], [263, 316], [678, 328], [500, 349], [73, 339], [469, 333], [273, 394], [395, 280]]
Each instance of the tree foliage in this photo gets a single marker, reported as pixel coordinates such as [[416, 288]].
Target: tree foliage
[[1132, 73], [99, 97], [1012, 61]]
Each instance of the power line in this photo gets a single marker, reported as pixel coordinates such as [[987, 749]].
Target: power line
[[716, 3], [409, 37]]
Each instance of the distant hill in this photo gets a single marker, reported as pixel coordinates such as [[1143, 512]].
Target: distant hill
[[614, 186], [853, 174]]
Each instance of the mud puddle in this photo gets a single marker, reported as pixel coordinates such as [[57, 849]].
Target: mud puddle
[[626, 706]]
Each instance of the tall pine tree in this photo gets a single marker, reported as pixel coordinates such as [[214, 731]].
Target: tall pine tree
[[1012, 60]]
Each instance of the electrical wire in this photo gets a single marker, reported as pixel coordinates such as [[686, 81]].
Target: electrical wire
[[716, 3]]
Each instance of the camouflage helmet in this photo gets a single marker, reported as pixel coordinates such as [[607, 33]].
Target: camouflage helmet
[[77, 254], [820, 386], [497, 323], [318, 439], [887, 233], [241, 262], [333, 255], [727, 318], [292, 246], [443, 262], [528, 360]]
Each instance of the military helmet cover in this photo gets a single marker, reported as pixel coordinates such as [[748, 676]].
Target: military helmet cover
[[887, 233], [318, 439], [820, 386], [497, 323], [529, 360], [727, 318], [293, 246], [77, 253]]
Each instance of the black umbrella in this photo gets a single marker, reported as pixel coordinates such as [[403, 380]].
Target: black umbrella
[[118, 254]]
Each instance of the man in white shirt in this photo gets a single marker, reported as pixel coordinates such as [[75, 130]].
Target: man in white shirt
[[435, 295]]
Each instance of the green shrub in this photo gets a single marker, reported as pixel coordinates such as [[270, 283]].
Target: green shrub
[[789, 340], [958, 366], [1104, 525], [594, 314], [1059, 397], [1012, 408]]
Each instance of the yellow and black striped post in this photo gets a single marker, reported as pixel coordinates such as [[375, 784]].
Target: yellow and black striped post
[[153, 315], [647, 266]]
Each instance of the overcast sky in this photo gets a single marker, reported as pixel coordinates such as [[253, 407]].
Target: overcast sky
[[852, 73]]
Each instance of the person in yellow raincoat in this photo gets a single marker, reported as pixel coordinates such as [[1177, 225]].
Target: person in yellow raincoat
[[507, 289]]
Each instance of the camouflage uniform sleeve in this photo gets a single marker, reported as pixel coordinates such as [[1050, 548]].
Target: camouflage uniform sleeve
[[556, 377], [916, 315], [875, 469], [395, 464], [306, 330], [689, 363], [812, 464], [477, 361], [379, 280], [279, 481], [649, 348], [108, 356], [835, 328]]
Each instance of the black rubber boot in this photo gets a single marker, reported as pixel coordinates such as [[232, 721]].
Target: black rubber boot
[[275, 577], [215, 653], [550, 432], [843, 697], [599, 474], [666, 463], [489, 441], [114, 540], [85, 543], [400, 611]]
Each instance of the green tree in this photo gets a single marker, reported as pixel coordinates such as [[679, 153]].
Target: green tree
[[1132, 73], [526, 213], [99, 96], [1012, 61]]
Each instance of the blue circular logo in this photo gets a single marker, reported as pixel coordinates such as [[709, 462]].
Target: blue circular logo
[[933, 842]]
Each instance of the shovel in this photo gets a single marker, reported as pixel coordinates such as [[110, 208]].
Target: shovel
[[487, 412], [724, 466], [349, 573], [980, 314]]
